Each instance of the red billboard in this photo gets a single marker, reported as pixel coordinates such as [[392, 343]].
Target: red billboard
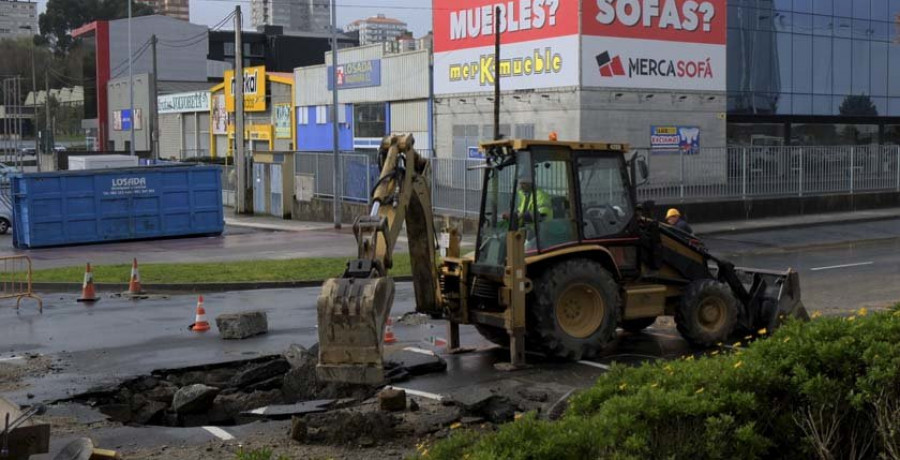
[[686, 21], [539, 37]]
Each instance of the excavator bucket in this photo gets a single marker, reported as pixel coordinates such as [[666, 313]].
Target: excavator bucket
[[776, 296], [352, 313]]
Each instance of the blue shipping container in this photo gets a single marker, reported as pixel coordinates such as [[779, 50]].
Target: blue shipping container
[[77, 207]]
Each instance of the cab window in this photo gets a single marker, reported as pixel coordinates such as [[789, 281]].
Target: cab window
[[605, 200], [552, 199]]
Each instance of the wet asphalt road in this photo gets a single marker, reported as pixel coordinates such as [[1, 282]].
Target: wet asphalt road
[[841, 267]]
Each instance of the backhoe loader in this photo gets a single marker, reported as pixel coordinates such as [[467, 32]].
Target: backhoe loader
[[564, 257]]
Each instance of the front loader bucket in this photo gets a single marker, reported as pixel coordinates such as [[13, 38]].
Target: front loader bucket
[[352, 313], [775, 297]]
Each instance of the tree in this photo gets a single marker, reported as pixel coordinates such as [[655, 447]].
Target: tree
[[858, 106], [63, 16]]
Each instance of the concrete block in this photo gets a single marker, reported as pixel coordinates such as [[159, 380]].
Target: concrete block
[[392, 400], [239, 326], [194, 399]]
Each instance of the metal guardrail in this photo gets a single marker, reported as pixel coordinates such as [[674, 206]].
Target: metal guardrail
[[711, 174], [770, 172], [16, 280]]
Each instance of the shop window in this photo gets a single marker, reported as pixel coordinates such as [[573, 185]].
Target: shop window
[[370, 120], [303, 116]]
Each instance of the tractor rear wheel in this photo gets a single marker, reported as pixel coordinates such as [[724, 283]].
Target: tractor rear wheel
[[574, 310], [708, 313], [638, 325]]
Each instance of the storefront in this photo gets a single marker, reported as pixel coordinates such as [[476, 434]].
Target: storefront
[[184, 125], [379, 93], [268, 123]]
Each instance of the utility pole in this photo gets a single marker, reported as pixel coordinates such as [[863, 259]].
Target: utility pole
[[154, 116], [20, 155], [48, 131], [241, 202], [130, 83], [337, 202], [497, 74], [34, 128]]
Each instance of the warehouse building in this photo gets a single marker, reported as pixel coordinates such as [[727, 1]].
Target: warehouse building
[[184, 124], [379, 93]]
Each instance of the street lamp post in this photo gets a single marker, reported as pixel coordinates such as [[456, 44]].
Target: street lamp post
[[34, 126], [130, 84]]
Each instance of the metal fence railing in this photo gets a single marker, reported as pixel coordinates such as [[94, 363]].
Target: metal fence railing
[[712, 174], [750, 172]]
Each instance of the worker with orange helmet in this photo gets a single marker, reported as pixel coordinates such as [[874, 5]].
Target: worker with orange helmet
[[675, 219]]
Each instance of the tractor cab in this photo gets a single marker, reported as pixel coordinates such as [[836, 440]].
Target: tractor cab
[[560, 194]]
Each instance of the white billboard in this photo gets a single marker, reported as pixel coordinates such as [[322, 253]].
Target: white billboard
[[655, 44]]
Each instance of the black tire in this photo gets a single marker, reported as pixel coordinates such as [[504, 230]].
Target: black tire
[[493, 334], [4, 226], [638, 325], [708, 313], [578, 330]]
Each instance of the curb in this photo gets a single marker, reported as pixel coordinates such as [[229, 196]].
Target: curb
[[184, 288], [797, 225]]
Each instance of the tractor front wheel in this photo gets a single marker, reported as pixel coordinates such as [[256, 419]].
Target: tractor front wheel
[[708, 313], [575, 310]]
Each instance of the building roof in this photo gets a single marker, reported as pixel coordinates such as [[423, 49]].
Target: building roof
[[73, 95], [169, 87], [380, 19]]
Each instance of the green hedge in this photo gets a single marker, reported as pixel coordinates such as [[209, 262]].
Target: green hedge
[[825, 388]]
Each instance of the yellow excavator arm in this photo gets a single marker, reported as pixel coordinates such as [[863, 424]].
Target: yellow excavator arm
[[353, 309]]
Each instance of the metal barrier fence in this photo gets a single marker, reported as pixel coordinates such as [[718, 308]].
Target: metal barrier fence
[[15, 280], [229, 185], [749, 172], [712, 174]]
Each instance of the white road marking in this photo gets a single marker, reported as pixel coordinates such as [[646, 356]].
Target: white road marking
[[14, 358], [861, 264], [420, 351], [593, 364], [259, 411], [423, 394], [219, 433]]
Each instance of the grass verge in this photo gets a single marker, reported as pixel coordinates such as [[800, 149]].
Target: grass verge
[[309, 269], [825, 389]]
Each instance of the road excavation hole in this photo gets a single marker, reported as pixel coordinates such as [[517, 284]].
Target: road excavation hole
[[219, 394]]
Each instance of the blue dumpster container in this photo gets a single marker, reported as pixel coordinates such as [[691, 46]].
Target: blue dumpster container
[[93, 206]]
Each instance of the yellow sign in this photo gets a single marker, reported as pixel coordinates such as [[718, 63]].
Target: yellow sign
[[254, 89], [254, 132]]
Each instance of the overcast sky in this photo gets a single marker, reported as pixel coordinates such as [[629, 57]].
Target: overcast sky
[[416, 13]]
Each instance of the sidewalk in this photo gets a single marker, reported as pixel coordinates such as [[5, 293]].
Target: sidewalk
[[781, 223], [707, 229], [274, 223]]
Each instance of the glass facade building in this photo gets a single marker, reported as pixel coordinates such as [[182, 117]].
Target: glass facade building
[[813, 72]]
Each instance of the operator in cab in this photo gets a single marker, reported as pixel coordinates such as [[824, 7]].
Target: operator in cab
[[526, 197], [675, 219]]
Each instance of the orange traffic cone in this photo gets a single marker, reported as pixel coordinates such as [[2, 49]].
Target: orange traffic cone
[[87, 288], [134, 286], [389, 332], [200, 323]]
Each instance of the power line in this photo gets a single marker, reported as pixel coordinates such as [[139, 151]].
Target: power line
[[135, 58], [143, 47], [347, 5], [200, 36]]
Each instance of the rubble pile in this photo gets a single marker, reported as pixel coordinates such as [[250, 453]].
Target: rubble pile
[[220, 394]]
